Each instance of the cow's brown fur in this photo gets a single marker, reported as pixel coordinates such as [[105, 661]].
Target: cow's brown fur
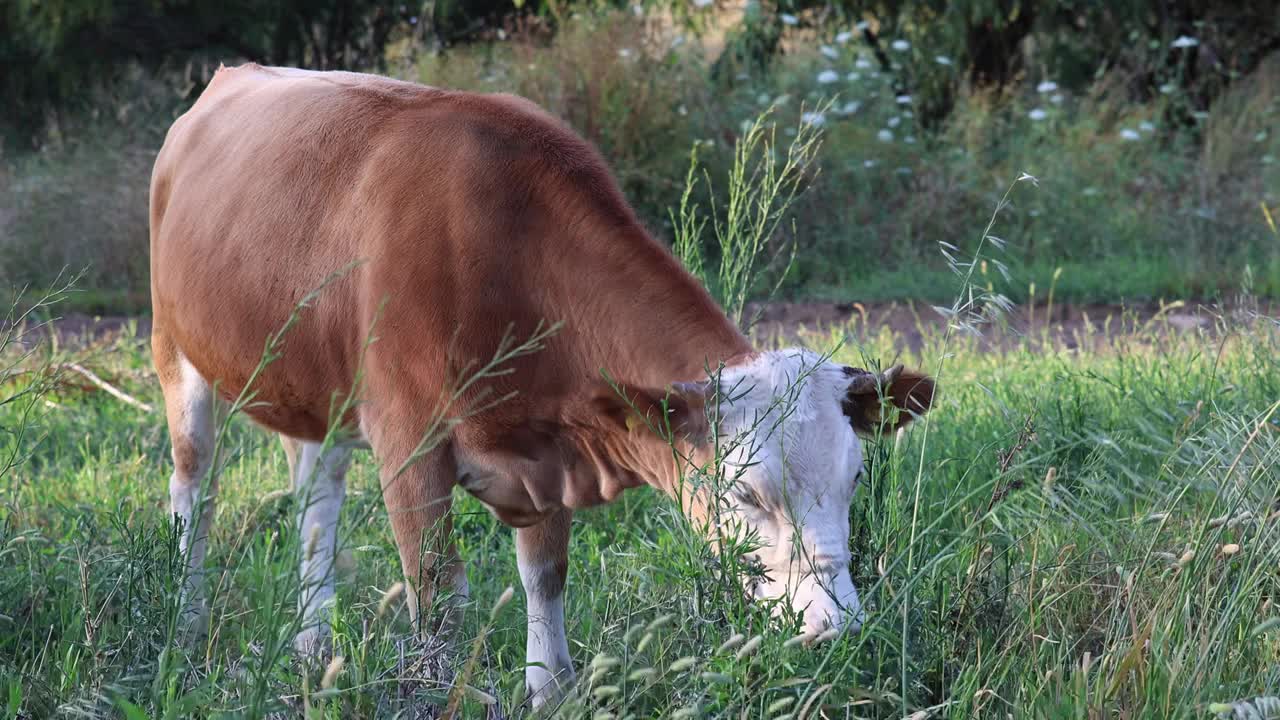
[[473, 215]]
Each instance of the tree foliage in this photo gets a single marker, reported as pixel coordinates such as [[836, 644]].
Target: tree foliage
[[1199, 46], [53, 51]]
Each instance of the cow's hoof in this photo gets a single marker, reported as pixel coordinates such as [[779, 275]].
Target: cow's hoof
[[193, 625], [543, 688], [312, 645]]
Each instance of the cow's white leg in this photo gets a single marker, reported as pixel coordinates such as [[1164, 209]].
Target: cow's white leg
[[193, 486], [542, 555], [320, 487]]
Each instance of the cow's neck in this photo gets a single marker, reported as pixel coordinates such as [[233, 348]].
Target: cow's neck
[[645, 319], [649, 323]]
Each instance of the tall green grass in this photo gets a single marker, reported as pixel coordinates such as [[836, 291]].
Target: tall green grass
[[1093, 533], [1067, 534]]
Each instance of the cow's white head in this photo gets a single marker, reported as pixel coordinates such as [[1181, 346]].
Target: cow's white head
[[788, 425]]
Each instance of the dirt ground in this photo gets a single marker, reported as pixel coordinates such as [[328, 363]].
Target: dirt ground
[[1068, 326]]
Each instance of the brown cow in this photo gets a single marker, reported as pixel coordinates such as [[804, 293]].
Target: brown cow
[[471, 215]]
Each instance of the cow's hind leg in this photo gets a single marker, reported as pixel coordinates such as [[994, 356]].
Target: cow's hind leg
[[319, 479], [542, 556], [193, 487]]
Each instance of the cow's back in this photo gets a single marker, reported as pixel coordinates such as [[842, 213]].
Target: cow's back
[[472, 216], [275, 180]]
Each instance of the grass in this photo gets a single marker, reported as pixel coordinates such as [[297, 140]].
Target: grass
[[1068, 534], [1091, 533]]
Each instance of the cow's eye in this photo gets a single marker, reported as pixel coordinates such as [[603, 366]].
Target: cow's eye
[[748, 497]]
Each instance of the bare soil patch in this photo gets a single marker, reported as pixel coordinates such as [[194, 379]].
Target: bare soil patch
[[1061, 325], [781, 323]]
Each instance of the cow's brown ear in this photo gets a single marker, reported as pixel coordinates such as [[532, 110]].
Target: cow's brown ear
[[634, 409], [886, 400]]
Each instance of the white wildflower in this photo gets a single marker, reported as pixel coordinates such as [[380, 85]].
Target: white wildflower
[[826, 77], [942, 59], [895, 121], [862, 63], [851, 107], [1184, 41], [1146, 126], [815, 119], [1168, 88], [1129, 134], [1038, 114], [1056, 99], [866, 164], [853, 76], [788, 19], [625, 53], [844, 37], [903, 99], [829, 51], [1046, 86], [885, 135], [910, 139], [900, 45]]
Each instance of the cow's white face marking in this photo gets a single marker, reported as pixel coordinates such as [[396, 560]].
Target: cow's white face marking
[[791, 464]]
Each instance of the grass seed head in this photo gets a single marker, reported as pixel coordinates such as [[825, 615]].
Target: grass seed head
[[331, 673], [503, 599], [390, 597], [660, 622], [779, 705], [642, 674], [747, 650], [683, 664], [313, 541], [644, 642], [605, 692], [731, 643], [795, 640], [603, 662], [827, 635], [479, 695]]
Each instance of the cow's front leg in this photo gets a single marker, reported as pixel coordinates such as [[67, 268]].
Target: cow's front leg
[[418, 501], [542, 554]]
